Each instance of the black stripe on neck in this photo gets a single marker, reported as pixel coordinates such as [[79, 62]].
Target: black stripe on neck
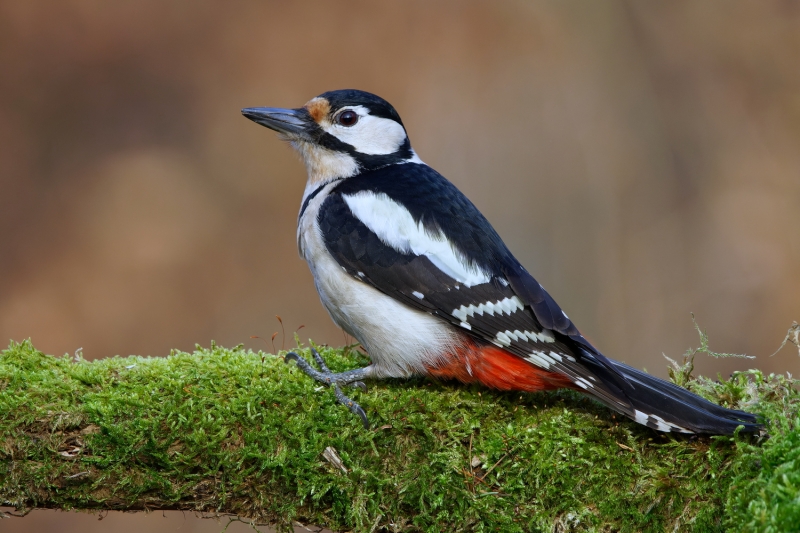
[[311, 197]]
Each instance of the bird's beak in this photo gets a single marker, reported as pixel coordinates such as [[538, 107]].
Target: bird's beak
[[291, 122]]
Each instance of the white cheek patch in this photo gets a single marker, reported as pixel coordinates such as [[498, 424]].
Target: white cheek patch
[[395, 226], [370, 135]]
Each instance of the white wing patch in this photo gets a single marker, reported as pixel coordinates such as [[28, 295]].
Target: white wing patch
[[395, 227], [506, 305], [505, 338], [540, 359], [370, 135]]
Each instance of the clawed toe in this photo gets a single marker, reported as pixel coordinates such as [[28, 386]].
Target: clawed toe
[[324, 367], [327, 377], [320, 361], [350, 404]]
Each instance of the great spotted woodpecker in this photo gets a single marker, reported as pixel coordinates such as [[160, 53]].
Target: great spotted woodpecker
[[407, 265]]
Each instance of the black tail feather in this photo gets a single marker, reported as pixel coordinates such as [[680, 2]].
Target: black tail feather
[[664, 406], [678, 409]]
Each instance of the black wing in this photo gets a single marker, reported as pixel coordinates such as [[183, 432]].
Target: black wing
[[511, 309]]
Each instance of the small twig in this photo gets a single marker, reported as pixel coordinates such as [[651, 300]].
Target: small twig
[[376, 523], [793, 336], [333, 458], [498, 462], [469, 459], [16, 513], [625, 447]]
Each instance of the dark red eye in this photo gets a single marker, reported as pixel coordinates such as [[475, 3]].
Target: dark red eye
[[348, 118]]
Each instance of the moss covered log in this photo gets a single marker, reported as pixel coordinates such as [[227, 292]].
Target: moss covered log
[[233, 431]]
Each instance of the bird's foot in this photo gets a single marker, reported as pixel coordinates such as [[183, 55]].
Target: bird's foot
[[326, 377]]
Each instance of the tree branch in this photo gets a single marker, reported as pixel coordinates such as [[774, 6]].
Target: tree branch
[[235, 432]]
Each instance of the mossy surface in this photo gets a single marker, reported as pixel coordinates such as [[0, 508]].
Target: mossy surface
[[233, 431]]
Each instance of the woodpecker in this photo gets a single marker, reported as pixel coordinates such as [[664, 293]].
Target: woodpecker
[[409, 267]]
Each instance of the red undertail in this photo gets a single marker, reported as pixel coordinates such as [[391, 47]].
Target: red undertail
[[496, 368]]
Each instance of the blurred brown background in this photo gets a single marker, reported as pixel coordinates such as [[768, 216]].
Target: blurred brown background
[[641, 159]]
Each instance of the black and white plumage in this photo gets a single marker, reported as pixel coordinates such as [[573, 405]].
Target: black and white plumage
[[407, 265]]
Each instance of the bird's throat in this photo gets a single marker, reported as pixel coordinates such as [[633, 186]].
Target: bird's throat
[[323, 164]]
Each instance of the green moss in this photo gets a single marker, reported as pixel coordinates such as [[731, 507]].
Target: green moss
[[232, 431]]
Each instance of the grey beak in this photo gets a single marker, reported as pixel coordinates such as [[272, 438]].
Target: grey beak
[[288, 121]]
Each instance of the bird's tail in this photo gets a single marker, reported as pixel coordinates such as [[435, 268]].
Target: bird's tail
[[664, 406]]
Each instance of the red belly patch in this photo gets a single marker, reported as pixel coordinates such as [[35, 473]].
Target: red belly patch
[[496, 368]]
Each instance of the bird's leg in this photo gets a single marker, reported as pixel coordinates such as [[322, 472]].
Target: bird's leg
[[326, 377], [321, 363]]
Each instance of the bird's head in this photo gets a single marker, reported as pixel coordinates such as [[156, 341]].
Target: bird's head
[[340, 133]]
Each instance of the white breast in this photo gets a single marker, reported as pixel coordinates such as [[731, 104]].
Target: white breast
[[401, 341]]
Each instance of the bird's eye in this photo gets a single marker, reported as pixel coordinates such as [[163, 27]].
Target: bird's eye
[[348, 118]]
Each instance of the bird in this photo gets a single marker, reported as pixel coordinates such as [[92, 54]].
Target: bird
[[410, 268]]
